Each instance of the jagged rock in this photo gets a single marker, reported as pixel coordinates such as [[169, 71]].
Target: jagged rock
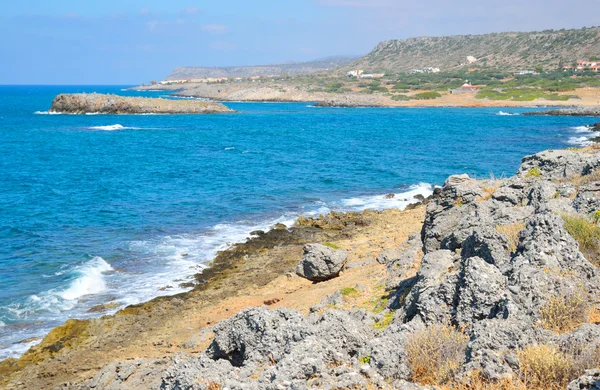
[[587, 200], [511, 191], [487, 243], [590, 380], [432, 297], [258, 335], [539, 195], [559, 164], [483, 292], [321, 263]]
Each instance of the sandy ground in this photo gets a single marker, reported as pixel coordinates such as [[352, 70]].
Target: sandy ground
[[256, 273]]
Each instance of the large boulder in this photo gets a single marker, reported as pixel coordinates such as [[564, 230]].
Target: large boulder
[[321, 263], [258, 335], [590, 380]]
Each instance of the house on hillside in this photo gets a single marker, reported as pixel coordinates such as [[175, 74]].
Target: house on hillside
[[466, 88], [526, 72], [355, 73]]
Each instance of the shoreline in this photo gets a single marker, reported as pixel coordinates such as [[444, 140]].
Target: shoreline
[[277, 93], [232, 273]]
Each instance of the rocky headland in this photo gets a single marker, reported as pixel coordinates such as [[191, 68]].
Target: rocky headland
[[84, 103], [491, 284]]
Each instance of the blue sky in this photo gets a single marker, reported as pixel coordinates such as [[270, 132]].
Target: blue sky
[[133, 41]]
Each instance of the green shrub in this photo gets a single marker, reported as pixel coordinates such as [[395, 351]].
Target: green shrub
[[400, 98], [427, 95], [587, 235], [534, 172], [331, 245]]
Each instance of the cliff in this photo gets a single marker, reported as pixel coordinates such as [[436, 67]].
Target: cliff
[[113, 104]]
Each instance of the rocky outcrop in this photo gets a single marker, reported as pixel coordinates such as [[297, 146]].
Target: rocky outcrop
[[112, 104], [321, 263], [578, 111], [500, 268]]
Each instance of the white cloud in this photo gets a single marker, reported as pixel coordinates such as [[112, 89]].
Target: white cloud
[[214, 28]]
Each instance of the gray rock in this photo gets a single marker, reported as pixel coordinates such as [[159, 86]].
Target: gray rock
[[258, 335], [587, 200], [433, 297], [590, 380], [321, 263], [559, 164], [483, 293]]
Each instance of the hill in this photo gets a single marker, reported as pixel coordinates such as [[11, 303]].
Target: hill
[[296, 68], [506, 51]]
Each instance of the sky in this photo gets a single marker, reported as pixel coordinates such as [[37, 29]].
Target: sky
[[129, 42]]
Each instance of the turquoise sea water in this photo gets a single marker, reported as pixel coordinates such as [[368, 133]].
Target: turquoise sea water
[[99, 208]]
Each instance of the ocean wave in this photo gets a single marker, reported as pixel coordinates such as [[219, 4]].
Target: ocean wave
[[48, 113], [112, 127], [502, 113], [380, 202], [580, 141], [230, 148], [90, 280], [582, 129]]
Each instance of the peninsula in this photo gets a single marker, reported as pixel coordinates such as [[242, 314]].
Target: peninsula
[[112, 104]]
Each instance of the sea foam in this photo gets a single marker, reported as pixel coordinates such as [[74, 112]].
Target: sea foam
[[502, 113], [112, 127], [90, 280]]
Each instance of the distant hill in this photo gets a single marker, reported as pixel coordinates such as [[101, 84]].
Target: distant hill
[[297, 68], [506, 51]]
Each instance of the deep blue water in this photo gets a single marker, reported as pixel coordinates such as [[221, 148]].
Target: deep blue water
[[89, 215]]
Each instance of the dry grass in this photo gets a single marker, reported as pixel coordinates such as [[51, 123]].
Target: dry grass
[[564, 313], [435, 354], [475, 381], [545, 367], [214, 386], [512, 233], [587, 235], [595, 315]]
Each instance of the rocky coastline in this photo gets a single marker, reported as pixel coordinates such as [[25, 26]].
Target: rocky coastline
[[490, 284], [112, 104], [283, 91], [576, 111]]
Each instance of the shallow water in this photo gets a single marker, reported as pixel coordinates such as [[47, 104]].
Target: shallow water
[[99, 208]]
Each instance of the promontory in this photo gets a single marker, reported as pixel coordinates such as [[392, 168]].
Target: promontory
[[83, 103]]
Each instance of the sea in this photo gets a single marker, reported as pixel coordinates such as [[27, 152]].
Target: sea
[[119, 209]]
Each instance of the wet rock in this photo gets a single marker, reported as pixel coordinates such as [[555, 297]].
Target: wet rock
[[321, 263]]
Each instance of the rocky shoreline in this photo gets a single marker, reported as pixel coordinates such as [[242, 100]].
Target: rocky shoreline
[[494, 284], [112, 104], [282, 91], [576, 111]]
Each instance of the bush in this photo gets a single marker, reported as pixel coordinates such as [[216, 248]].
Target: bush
[[435, 354], [534, 172], [564, 313], [545, 367], [587, 235], [349, 292], [400, 98], [427, 95]]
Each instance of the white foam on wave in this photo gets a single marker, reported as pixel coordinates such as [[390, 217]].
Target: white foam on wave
[[230, 148], [90, 280], [111, 127], [381, 202], [502, 113], [584, 139], [48, 113]]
